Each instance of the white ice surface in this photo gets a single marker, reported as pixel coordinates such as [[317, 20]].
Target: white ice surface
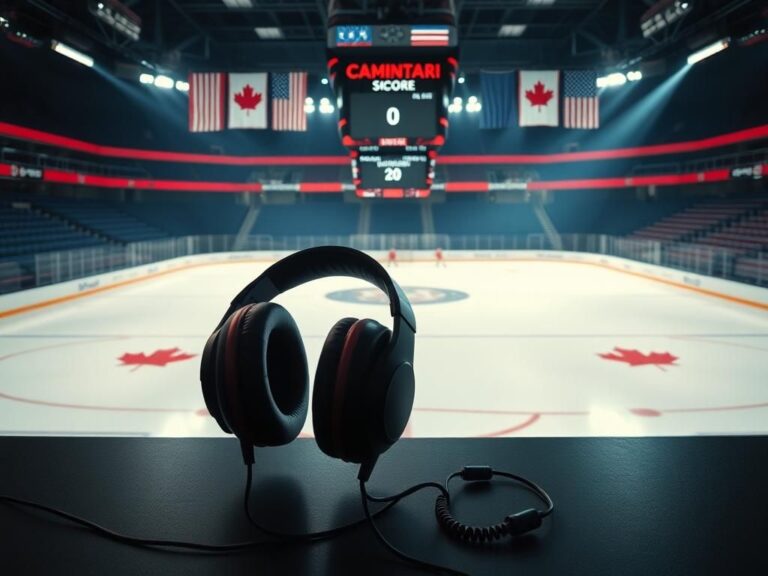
[[519, 356]]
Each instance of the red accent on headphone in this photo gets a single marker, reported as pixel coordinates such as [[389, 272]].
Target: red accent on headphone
[[340, 386], [230, 370]]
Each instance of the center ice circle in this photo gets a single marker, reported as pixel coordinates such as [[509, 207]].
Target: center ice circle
[[416, 295]]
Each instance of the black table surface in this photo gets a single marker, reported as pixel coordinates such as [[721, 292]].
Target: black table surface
[[645, 506]]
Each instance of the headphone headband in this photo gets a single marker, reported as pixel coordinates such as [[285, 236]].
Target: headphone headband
[[321, 262]]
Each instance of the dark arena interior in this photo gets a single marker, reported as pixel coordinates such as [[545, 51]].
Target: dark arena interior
[[272, 270]]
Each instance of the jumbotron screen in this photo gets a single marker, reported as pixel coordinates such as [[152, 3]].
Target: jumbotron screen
[[409, 115]]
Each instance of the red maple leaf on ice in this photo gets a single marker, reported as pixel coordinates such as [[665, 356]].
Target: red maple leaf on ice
[[157, 358], [538, 96], [637, 358], [247, 99]]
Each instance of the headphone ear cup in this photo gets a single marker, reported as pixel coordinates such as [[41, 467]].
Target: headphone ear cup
[[325, 380], [272, 379], [351, 394]]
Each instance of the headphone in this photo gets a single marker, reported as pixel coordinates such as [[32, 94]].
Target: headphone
[[254, 373]]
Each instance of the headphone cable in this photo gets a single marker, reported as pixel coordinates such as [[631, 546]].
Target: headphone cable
[[391, 547], [277, 537], [133, 540], [309, 536]]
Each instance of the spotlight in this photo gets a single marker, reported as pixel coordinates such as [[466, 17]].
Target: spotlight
[[182, 86], [462, 79], [145, 78], [614, 79], [324, 81], [325, 106], [708, 51], [473, 105], [70, 52], [634, 75], [163, 82]]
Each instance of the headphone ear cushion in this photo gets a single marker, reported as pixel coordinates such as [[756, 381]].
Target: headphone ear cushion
[[208, 378], [272, 375], [325, 381]]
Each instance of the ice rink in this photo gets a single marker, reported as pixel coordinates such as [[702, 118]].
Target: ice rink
[[503, 348]]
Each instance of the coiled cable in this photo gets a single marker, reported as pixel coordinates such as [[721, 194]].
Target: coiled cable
[[513, 525]]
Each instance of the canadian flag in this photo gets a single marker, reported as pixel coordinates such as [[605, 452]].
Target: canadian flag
[[248, 100], [539, 97]]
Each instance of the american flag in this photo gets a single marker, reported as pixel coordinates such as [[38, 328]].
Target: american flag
[[289, 91], [582, 106], [430, 35], [207, 97]]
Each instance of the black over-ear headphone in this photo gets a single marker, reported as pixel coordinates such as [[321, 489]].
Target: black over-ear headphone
[[254, 369]]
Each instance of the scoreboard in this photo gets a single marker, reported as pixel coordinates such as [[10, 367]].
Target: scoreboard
[[393, 84], [393, 170], [393, 102]]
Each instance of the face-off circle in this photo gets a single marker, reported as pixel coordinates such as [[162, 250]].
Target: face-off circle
[[416, 295]]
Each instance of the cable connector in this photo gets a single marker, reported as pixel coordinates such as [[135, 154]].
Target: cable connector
[[476, 473], [246, 448], [366, 469], [522, 522]]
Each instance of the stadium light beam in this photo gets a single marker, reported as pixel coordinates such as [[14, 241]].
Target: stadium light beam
[[634, 75], [71, 53], [325, 106], [640, 118], [708, 51], [145, 78], [163, 82], [182, 86]]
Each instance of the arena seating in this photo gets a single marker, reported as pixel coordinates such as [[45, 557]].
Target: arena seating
[[395, 218], [752, 269], [181, 214], [101, 217], [700, 218], [472, 215], [746, 234], [714, 233], [608, 211], [317, 217], [25, 230]]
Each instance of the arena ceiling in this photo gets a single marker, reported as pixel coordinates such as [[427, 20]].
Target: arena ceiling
[[230, 34]]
